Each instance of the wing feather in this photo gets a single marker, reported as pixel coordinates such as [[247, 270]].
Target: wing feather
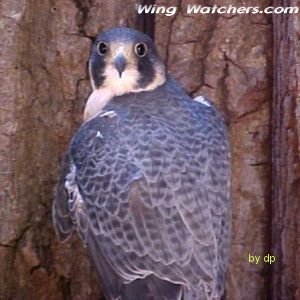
[[156, 197]]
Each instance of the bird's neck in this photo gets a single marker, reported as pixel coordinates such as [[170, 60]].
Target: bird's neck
[[100, 97]]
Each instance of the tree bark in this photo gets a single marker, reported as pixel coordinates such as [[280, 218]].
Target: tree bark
[[285, 156]]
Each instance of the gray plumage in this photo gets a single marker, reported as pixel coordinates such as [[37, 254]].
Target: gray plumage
[[145, 183]]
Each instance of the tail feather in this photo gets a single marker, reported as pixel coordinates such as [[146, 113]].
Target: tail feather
[[148, 288], [110, 281], [151, 288], [202, 293]]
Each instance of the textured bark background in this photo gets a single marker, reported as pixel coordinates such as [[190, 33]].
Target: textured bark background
[[285, 157], [249, 65]]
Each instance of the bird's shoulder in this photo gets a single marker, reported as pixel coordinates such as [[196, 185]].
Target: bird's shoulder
[[166, 109]]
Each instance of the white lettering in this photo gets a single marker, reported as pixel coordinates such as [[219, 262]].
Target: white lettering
[[193, 9], [153, 9]]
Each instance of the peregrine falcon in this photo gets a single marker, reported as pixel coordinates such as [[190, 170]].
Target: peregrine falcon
[[145, 180]]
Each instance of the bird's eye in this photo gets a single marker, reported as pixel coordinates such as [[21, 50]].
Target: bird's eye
[[140, 49], [102, 48]]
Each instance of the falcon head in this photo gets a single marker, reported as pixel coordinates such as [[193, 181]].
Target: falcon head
[[124, 60]]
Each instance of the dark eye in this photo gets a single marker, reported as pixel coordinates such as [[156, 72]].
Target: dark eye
[[140, 49], [102, 48]]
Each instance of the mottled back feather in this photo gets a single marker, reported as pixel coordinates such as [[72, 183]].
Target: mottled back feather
[[148, 192]]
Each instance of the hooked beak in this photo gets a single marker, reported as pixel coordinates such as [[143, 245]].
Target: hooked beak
[[120, 63]]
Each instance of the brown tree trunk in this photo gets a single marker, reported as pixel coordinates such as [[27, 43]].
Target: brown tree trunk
[[286, 156], [228, 58]]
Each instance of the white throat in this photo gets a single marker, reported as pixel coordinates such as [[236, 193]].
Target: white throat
[[114, 85]]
